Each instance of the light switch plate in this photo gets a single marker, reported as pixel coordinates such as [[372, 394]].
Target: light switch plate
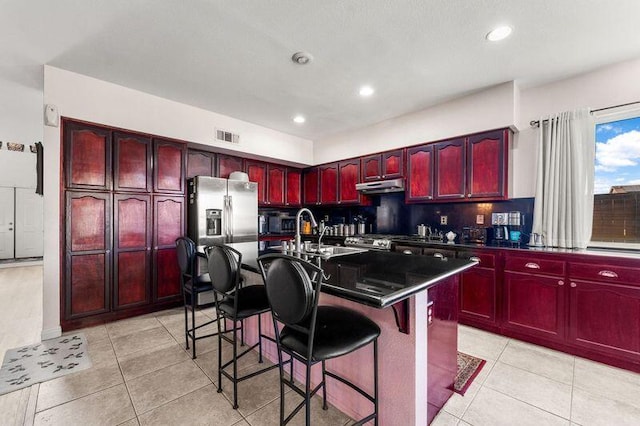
[[479, 219], [443, 220]]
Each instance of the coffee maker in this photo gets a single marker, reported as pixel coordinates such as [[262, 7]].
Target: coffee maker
[[506, 227]]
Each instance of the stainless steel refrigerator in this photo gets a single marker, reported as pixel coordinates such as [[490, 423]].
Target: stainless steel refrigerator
[[223, 211]]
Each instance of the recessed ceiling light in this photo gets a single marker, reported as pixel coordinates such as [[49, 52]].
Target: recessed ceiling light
[[301, 58], [499, 33], [299, 119], [366, 91]]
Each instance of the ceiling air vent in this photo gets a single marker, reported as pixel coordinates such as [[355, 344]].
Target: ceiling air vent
[[224, 136]]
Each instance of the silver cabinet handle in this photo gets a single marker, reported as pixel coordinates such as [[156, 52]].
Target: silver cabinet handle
[[438, 255], [573, 285], [608, 274], [532, 265], [475, 259], [407, 251], [560, 282]]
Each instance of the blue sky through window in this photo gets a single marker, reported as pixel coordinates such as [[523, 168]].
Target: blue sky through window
[[617, 154]]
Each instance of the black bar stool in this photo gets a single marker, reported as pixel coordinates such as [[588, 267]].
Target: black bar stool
[[235, 302], [313, 333], [192, 284]]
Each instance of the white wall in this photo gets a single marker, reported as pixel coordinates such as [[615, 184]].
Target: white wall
[[21, 122], [86, 98]]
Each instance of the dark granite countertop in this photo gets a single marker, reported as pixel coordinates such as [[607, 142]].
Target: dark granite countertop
[[380, 278]]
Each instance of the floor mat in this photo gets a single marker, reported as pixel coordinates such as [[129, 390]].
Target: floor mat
[[468, 368], [43, 361]]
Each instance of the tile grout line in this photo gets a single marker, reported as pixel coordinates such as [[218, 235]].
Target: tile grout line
[[135, 412], [573, 381]]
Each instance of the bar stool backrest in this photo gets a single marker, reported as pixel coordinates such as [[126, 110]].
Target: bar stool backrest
[[223, 263], [292, 293], [186, 251]]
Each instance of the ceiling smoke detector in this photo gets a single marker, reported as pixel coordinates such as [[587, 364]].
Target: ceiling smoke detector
[[301, 58]]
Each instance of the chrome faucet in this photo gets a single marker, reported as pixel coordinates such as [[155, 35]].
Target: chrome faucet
[[298, 238], [322, 232]]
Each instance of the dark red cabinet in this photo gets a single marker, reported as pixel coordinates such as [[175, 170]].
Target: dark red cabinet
[[87, 254], [87, 151], [169, 166], [393, 164], [328, 183], [257, 172], [419, 173], [479, 291], [371, 167], [349, 174], [311, 178], [169, 216], [228, 164], [131, 250], [276, 184], [132, 165], [450, 163], [200, 163], [487, 165], [293, 187]]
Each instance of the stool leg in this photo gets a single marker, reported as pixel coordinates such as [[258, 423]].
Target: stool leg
[[307, 395], [242, 333], [235, 365], [259, 338], [186, 319], [324, 387], [220, 349], [193, 324], [375, 379]]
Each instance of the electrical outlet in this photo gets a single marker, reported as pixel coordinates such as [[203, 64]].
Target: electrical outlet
[[479, 219], [443, 220]]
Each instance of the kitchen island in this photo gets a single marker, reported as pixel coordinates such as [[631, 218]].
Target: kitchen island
[[393, 290]]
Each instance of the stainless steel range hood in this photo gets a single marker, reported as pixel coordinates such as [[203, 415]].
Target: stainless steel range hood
[[381, 186]]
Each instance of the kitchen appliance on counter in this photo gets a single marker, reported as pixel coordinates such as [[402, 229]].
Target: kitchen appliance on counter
[[476, 235], [507, 227], [223, 211], [282, 224], [371, 242]]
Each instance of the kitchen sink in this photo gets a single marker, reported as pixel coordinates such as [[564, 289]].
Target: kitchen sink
[[325, 252]]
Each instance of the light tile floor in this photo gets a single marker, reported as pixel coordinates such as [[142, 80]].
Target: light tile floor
[[142, 375]]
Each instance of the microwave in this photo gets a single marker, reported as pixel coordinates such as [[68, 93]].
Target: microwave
[[282, 224]]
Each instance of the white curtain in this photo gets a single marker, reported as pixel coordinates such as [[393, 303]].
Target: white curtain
[[563, 210]]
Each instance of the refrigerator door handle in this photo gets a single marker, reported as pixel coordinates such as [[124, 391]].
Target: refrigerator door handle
[[225, 219], [230, 221]]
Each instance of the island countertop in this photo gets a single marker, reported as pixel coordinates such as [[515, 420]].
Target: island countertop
[[381, 279]]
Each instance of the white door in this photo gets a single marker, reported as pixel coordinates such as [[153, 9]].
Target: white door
[[6, 223], [29, 223]]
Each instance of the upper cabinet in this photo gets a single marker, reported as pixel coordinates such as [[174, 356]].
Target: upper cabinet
[[228, 164], [329, 183], [132, 162], [88, 161], [487, 159], [419, 173], [293, 187], [169, 170], [388, 165], [200, 163], [257, 171], [450, 169], [348, 177], [276, 184], [312, 185]]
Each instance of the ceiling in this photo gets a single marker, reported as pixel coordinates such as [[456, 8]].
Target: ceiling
[[233, 57]]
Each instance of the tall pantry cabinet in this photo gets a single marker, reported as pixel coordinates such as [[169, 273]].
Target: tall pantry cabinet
[[123, 209]]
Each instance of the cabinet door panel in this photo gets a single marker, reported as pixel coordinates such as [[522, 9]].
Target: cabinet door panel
[[487, 165], [132, 245], [478, 295], [450, 166], [276, 181], [228, 164], [349, 173], [166, 274], [88, 284], [132, 168], [168, 166], [200, 163], [257, 172], [420, 173], [168, 221], [87, 150], [329, 184], [371, 168], [87, 221], [534, 305], [393, 164], [312, 186], [294, 180], [605, 317]]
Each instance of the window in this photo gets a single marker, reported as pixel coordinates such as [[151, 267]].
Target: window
[[616, 212]]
